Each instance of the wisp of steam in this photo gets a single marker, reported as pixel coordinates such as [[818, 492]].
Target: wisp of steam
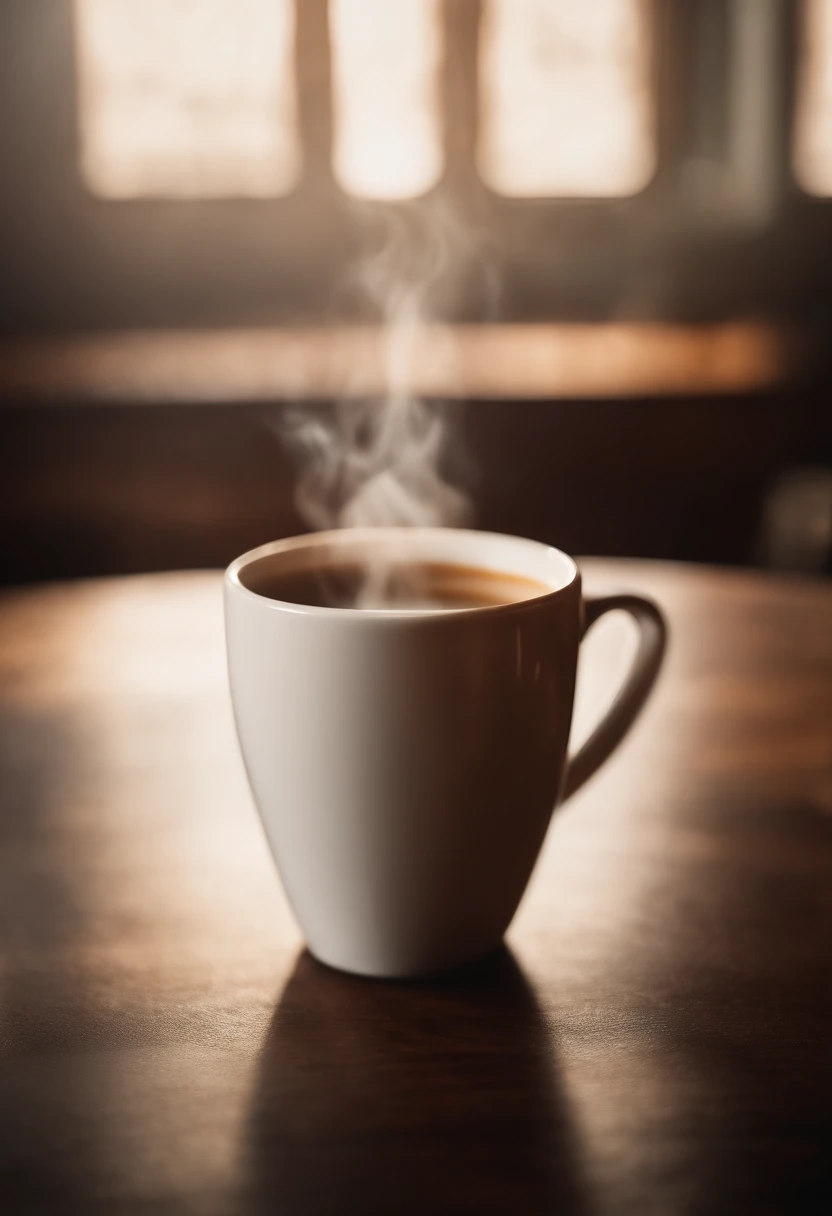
[[376, 462]]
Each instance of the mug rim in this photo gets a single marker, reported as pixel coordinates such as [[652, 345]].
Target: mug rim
[[542, 552]]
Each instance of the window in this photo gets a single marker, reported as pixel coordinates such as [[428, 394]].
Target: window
[[187, 98], [813, 133], [513, 112], [197, 98], [385, 68], [565, 100]]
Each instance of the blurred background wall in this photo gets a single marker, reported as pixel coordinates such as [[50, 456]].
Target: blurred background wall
[[644, 356]]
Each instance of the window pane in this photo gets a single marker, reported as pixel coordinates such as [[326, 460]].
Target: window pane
[[813, 137], [565, 98], [187, 98], [385, 65]]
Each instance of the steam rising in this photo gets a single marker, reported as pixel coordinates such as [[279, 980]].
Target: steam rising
[[382, 462]]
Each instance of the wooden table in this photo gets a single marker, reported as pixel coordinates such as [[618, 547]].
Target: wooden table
[[655, 1039]]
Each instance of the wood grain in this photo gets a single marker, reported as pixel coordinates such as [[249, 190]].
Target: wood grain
[[654, 1038]]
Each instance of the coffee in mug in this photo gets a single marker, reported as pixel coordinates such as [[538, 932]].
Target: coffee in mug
[[399, 586]]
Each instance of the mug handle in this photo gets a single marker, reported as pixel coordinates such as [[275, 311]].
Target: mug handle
[[634, 691]]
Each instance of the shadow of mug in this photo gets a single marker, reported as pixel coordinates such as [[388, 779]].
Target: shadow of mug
[[412, 1097]]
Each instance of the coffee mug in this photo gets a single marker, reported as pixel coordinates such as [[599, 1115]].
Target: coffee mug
[[406, 759]]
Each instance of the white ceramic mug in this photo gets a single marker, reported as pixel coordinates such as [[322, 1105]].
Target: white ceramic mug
[[406, 763]]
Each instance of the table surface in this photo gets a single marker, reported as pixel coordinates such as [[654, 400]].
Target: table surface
[[654, 1038]]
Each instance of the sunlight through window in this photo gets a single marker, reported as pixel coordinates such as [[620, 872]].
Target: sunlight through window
[[813, 135], [187, 98], [565, 97], [385, 65]]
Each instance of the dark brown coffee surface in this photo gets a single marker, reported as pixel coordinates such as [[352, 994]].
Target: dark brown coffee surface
[[428, 585]]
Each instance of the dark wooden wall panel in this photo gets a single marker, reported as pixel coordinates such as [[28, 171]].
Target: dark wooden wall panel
[[105, 489]]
